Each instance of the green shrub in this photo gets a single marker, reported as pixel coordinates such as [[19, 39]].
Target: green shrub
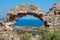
[[26, 36], [47, 35], [56, 34]]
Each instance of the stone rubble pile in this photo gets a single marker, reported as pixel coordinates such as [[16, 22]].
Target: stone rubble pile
[[7, 33]]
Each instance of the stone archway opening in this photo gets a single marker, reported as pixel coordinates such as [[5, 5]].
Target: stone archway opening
[[23, 10], [29, 21], [14, 18]]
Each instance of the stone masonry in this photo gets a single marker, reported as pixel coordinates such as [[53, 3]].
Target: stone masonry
[[51, 19]]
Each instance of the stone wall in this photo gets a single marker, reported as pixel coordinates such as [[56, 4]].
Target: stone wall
[[51, 19], [53, 16]]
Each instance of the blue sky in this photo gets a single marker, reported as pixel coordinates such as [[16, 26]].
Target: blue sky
[[6, 5]]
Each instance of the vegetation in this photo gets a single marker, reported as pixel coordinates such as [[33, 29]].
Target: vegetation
[[26, 36], [47, 35]]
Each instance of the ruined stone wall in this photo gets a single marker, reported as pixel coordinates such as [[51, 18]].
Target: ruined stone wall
[[53, 16], [23, 10], [51, 19]]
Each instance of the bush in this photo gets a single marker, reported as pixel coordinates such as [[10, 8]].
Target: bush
[[47, 35], [56, 34], [26, 36]]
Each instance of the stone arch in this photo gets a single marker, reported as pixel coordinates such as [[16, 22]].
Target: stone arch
[[24, 10]]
